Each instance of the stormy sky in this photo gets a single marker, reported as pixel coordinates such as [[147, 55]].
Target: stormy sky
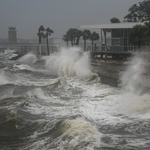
[[58, 15]]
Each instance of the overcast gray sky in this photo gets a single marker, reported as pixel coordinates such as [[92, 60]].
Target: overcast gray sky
[[59, 15]]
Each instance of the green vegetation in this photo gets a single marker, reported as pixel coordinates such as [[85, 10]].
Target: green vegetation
[[73, 35], [114, 20], [136, 35], [138, 12], [41, 35], [94, 37], [48, 32], [86, 34]]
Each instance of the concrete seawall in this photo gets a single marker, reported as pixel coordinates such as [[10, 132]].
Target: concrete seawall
[[111, 74], [108, 76]]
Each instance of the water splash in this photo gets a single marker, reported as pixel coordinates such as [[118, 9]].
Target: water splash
[[3, 78], [132, 74], [132, 100], [70, 62], [9, 53], [28, 59]]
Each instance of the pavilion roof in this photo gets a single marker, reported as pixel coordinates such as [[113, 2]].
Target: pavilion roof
[[111, 25]]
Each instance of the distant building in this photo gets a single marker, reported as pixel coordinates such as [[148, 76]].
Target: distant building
[[12, 35]]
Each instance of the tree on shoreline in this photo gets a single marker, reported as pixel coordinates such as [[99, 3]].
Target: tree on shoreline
[[48, 32], [114, 20], [40, 35], [86, 35], [73, 35], [147, 32], [138, 12], [136, 35], [94, 37], [66, 38], [78, 34]]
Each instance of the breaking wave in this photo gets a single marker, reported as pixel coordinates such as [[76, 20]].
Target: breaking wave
[[70, 62]]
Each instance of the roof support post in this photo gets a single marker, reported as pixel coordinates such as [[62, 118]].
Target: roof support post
[[101, 39]]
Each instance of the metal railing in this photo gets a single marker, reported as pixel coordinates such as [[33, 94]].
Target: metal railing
[[23, 49], [118, 48]]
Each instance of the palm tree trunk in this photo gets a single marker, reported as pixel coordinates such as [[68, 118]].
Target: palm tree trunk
[[72, 43], [84, 45], [47, 45], [40, 48], [77, 41], [92, 44], [39, 43]]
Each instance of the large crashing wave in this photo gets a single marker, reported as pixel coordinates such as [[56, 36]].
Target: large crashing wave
[[28, 59], [70, 62]]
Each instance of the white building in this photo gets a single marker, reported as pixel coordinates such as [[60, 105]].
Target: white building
[[119, 34]]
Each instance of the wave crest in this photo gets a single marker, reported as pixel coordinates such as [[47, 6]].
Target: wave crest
[[70, 62]]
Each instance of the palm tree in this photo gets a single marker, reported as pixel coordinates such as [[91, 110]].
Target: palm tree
[[94, 37], [72, 34], [66, 38], [48, 32], [40, 35], [86, 35], [78, 34]]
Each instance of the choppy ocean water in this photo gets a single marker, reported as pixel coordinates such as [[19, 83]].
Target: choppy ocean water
[[56, 103]]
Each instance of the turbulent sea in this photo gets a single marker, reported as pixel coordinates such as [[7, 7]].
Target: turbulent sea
[[57, 103]]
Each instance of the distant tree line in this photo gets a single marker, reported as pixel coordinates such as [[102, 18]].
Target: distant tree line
[[73, 35]]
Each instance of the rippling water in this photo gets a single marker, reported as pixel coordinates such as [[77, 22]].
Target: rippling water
[[56, 103]]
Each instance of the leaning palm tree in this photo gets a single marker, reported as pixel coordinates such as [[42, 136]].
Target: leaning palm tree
[[48, 32], [66, 38], [78, 34], [40, 35], [86, 35], [72, 35], [94, 37]]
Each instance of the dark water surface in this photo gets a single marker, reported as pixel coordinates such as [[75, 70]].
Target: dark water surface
[[57, 103]]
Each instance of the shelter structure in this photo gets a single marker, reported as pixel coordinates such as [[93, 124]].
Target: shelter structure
[[119, 35]]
